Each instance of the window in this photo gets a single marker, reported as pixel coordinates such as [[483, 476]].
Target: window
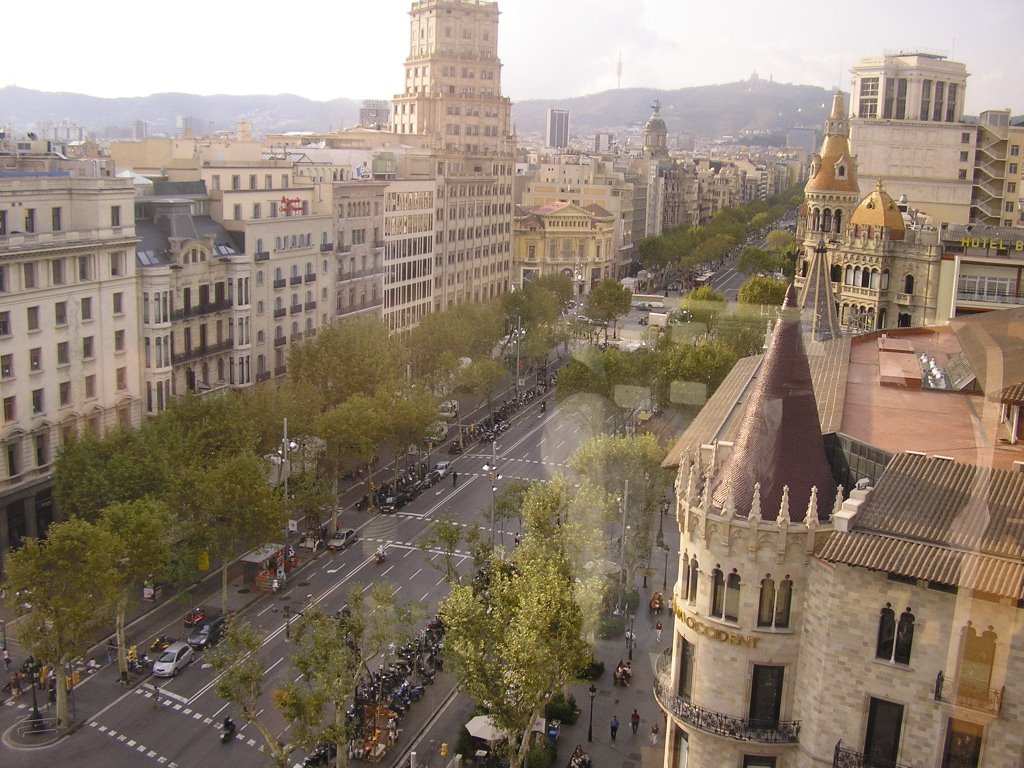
[[116, 264], [1014, 150], [86, 311], [965, 137], [87, 347], [882, 740], [30, 220], [6, 366], [55, 219], [119, 341], [236, 181], [725, 595], [3, 222], [90, 385], [963, 744], [687, 652], [13, 449], [895, 639], [122, 379], [773, 606], [963, 157], [758, 761], [961, 174], [62, 353], [115, 215], [252, 181], [237, 211], [37, 401], [5, 323], [10, 408], [940, 95], [908, 284], [1012, 169], [868, 97], [257, 212], [118, 303], [60, 313], [42, 450], [57, 271], [28, 272], [977, 657], [64, 392], [32, 316], [35, 359], [84, 268], [1011, 187], [766, 696]]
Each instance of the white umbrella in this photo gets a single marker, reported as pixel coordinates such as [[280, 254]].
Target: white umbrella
[[481, 727]]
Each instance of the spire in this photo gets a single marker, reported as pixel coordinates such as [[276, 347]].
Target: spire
[[817, 300], [779, 442]]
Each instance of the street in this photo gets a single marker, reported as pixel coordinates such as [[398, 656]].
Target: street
[[128, 727]]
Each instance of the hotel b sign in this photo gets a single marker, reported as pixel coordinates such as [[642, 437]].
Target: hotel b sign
[[992, 242]]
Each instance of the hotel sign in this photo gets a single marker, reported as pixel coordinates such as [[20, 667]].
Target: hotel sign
[[992, 242], [712, 632]]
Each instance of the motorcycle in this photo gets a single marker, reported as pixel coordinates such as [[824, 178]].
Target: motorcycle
[[195, 617], [227, 730], [378, 557], [160, 644]]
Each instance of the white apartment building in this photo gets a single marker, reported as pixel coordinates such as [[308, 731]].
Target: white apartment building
[[907, 124], [69, 329], [409, 252]]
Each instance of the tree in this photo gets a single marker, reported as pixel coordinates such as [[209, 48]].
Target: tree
[[508, 503], [236, 659], [444, 536], [70, 581], [519, 640], [762, 290], [143, 531], [480, 379], [356, 428], [654, 254], [608, 301], [235, 509], [754, 260], [410, 413], [780, 242]]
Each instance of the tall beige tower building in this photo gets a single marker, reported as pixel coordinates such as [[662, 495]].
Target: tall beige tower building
[[452, 100]]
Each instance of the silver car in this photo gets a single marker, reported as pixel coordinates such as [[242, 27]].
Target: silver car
[[177, 656]]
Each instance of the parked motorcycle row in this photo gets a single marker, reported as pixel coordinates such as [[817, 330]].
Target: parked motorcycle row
[[389, 692], [487, 431], [395, 494]]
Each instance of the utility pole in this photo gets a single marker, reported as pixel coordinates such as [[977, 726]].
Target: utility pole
[[622, 544], [518, 334]]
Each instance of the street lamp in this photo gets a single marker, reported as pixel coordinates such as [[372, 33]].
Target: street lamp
[[590, 729], [630, 637], [36, 718], [492, 476], [286, 446], [622, 546]]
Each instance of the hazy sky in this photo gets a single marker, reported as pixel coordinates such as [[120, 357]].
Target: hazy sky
[[549, 48]]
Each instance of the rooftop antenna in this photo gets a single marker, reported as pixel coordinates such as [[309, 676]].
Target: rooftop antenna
[[618, 84]]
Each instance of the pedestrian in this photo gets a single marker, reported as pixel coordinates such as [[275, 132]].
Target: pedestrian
[[614, 726], [658, 628], [654, 735], [634, 721], [455, 479], [7, 661]]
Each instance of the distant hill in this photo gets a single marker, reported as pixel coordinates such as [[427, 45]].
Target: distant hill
[[709, 111]]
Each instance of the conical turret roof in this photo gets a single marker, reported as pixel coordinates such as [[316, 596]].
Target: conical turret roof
[[817, 300], [779, 445]]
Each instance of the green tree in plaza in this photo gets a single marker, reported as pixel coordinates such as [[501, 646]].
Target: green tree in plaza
[[655, 254], [444, 537], [755, 260], [331, 656], [409, 414], [481, 378], [235, 509], [508, 502], [94, 472], [70, 580], [780, 242], [705, 304], [707, 363], [268, 405], [608, 301], [311, 499], [144, 532], [240, 678], [356, 429], [345, 358], [608, 462], [762, 290], [518, 640]]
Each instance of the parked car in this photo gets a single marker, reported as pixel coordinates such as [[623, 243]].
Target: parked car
[[208, 633], [390, 504], [341, 539], [177, 656], [443, 468], [431, 478]]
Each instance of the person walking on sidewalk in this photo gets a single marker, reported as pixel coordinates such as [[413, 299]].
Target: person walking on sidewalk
[[657, 628], [654, 735], [455, 479], [614, 726], [634, 721]]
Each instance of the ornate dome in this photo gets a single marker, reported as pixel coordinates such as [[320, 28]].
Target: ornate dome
[[655, 123], [880, 210], [835, 168]]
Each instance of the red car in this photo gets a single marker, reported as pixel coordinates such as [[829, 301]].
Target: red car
[[195, 617]]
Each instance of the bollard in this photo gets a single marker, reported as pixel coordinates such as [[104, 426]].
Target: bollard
[[412, 760]]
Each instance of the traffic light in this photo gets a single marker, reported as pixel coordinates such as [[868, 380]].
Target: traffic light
[[373, 487], [133, 654], [444, 749], [490, 475]]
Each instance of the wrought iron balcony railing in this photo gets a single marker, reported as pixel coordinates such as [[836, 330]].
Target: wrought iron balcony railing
[[848, 758], [952, 691]]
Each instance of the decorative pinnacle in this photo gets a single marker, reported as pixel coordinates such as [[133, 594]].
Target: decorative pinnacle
[[811, 519], [784, 508], [755, 506]]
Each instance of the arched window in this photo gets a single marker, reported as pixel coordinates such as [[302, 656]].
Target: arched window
[[885, 280], [826, 220], [908, 284], [783, 602], [873, 283], [895, 639], [686, 577], [816, 220], [717, 592], [977, 657], [694, 570], [865, 279], [856, 276], [904, 637], [732, 597], [773, 606], [835, 274], [838, 221], [881, 317], [766, 605], [886, 632], [848, 277], [904, 320]]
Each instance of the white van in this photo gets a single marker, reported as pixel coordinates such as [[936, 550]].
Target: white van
[[449, 409], [443, 468]]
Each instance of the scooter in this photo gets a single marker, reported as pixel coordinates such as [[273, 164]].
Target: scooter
[[378, 557], [161, 643], [227, 730]]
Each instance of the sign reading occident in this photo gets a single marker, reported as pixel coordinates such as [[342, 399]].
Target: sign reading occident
[[712, 632]]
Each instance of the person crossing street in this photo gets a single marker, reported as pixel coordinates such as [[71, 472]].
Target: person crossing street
[[634, 721], [614, 726]]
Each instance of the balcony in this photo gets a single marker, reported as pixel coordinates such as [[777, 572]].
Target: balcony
[[295, 280], [280, 370], [295, 338], [281, 312], [903, 298], [262, 256], [309, 305], [985, 700], [261, 377], [295, 309], [202, 351], [279, 341], [345, 248], [978, 297], [280, 283], [738, 728], [201, 309], [359, 273], [847, 758], [360, 306], [326, 247], [310, 277]]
